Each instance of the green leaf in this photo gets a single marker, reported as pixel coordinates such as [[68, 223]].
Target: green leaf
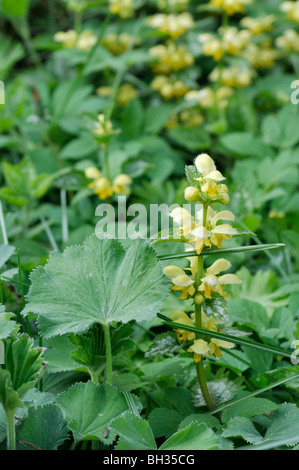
[[89, 408], [224, 251], [248, 408], [244, 144], [285, 423], [248, 312], [134, 433], [217, 307], [23, 362], [164, 421], [44, 428], [192, 138], [79, 148], [7, 326], [96, 282], [19, 8], [208, 420], [9, 398], [242, 427], [5, 253], [165, 343], [197, 436]]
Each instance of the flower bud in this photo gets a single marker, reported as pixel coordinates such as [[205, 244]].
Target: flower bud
[[191, 194]]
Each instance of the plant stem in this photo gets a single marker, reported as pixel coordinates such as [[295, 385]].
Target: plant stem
[[198, 323], [11, 430], [108, 353], [3, 226]]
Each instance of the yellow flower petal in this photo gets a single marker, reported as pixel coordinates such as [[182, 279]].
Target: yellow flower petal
[[214, 176], [222, 344], [182, 217], [173, 271], [219, 266], [224, 229], [229, 279], [223, 215], [199, 347], [205, 164]]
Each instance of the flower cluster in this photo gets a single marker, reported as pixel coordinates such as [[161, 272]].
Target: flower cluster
[[172, 25], [118, 43], [207, 230], [291, 9], [126, 93], [122, 8], [289, 41], [230, 41], [170, 57], [169, 87], [231, 6], [103, 188], [233, 77], [71, 39]]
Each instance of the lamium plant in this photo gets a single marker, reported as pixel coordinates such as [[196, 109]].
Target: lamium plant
[[204, 285]]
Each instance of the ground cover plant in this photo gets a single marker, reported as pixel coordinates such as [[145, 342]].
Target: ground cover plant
[[149, 225]]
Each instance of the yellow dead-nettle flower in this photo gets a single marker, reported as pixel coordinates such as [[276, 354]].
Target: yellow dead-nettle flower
[[170, 57], [289, 41], [122, 8], [172, 25], [118, 43], [103, 188], [169, 87], [256, 26], [207, 98], [231, 41], [126, 93], [181, 282], [71, 39], [260, 57], [173, 5], [181, 317], [233, 77], [291, 9], [212, 283], [210, 175], [103, 126], [231, 6]]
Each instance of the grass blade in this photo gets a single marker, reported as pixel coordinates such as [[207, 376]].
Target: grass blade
[[238, 249], [225, 337]]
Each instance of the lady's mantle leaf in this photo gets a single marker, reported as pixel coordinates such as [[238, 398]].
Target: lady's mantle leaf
[[96, 282], [89, 409]]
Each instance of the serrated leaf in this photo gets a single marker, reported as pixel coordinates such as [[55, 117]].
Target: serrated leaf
[[45, 428], [89, 408], [7, 326], [197, 436], [191, 174], [217, 307], [285, 424], [134, 433], [165, 343], [164, 421], [207, 419], [242, 427], [97, 282], [249, 408]]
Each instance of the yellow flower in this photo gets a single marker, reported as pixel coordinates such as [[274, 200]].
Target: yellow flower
[[191, 194], [291, 9], [216, 344], [231, 6], [211, 283], [123, 8], [121, 183], [210, 176], [70, 39], [199, 347], [169, 87], [126, 93], [231, 41], [172, 25], [256, 26], [102, 188], [205, 97], [234, 76], [289, 41], [260, 57], [103, 127], [181, 282], [170, 57], [179, 316], [117, 44]]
